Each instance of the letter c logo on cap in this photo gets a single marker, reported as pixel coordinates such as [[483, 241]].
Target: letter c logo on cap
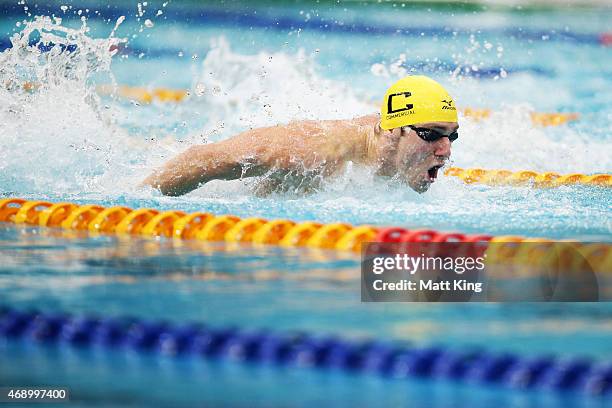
[[390, 103]]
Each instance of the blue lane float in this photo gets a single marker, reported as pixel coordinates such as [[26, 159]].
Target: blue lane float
[[207, 16], [383, 358]]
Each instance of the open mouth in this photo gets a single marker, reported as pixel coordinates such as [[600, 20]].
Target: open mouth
[[433, 172]]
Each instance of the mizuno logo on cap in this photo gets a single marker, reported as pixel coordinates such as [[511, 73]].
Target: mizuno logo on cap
[[449, 105]]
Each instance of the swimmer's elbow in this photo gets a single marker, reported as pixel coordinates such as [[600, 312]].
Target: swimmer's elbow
[[171, 190], [168, 186]]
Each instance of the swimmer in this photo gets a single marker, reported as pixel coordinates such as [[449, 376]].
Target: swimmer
[[410, 140]]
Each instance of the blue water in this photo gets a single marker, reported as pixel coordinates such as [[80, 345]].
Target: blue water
[[63, 143], [283, 290]]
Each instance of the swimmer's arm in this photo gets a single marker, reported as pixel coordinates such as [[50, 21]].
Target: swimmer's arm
[[201, 164], [248, 154]]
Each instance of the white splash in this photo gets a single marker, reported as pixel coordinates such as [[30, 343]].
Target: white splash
[[57, 136], [245, 91]]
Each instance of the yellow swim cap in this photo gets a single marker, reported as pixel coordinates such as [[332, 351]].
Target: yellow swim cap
[[416, 99]]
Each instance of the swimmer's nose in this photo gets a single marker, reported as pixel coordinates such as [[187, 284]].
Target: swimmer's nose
[[442, 147]]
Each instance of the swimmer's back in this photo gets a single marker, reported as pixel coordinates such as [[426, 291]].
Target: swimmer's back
[[307, 144]]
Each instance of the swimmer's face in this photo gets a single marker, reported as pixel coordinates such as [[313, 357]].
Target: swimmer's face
[[418, 161]]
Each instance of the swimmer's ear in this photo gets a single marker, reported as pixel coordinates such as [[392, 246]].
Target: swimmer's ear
[[377, 128], [390, 135]]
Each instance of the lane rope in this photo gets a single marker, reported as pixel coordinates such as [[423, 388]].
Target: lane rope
[[537, 118], [528, 177], [371, 357], [254, 230], [146, 95], [167, 95]]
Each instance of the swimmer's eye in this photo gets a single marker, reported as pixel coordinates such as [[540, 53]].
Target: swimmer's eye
[[431, 135]]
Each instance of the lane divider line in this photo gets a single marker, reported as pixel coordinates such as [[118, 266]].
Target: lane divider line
[[167, 95], [537, 118], [528, 178], [286, 233], [390, 359], [146, 95]]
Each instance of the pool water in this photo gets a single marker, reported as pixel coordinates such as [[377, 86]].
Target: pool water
[[249, 65], [258, 288]]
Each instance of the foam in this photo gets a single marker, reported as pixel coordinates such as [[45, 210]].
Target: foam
[[59, 137], [247, 91]]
